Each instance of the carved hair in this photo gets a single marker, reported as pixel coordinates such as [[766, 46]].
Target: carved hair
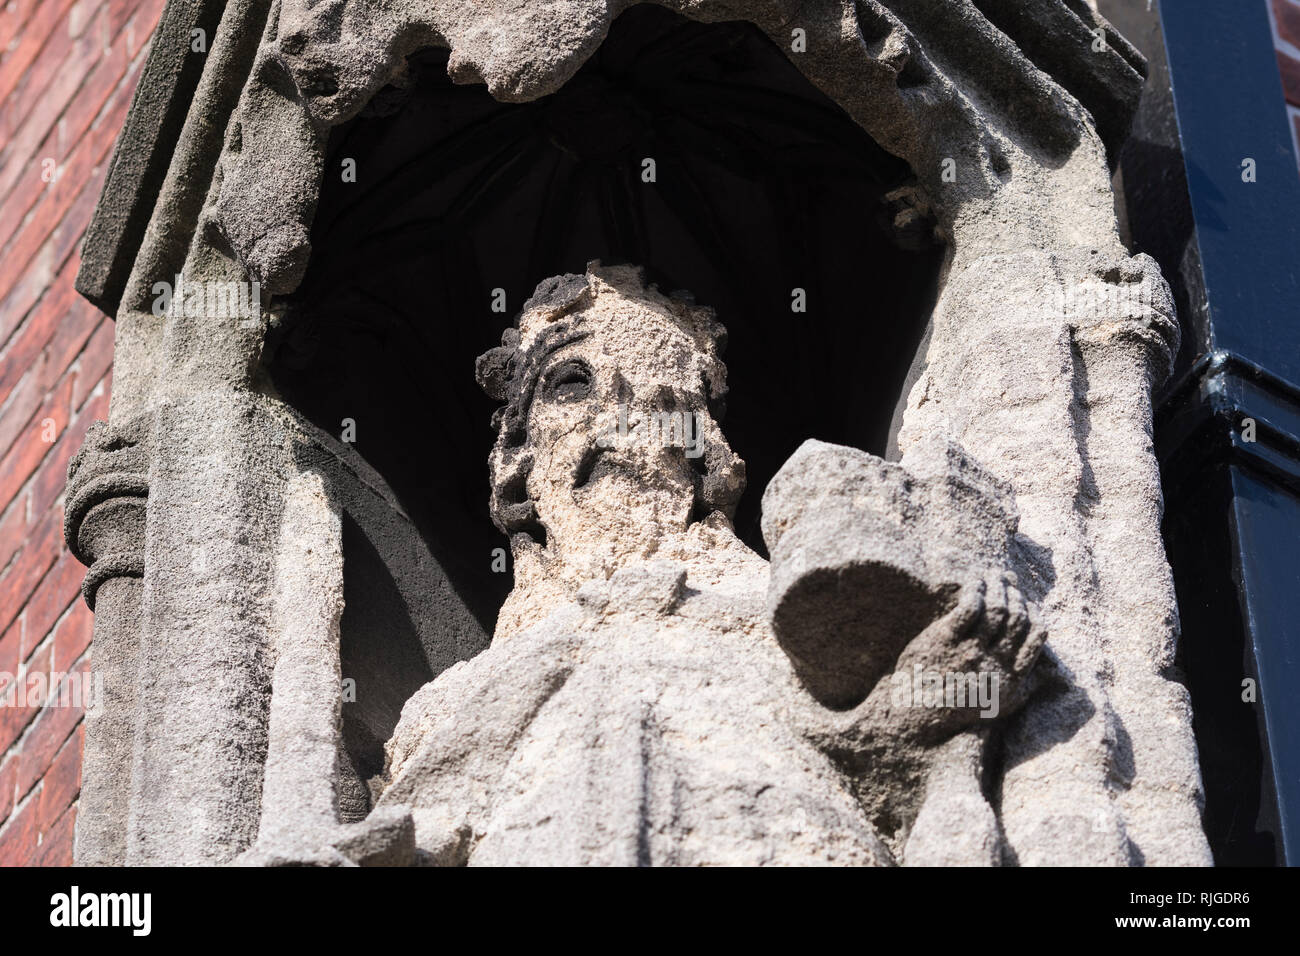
[[510, 372]]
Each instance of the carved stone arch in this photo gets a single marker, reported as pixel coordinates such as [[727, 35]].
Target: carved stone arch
[[1044, 348], [931, 81], [765, 190]]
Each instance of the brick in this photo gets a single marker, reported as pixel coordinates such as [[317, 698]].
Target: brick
[[68, 233], [44, 20], [52, 726], [112, 73], [21, 148], [61, 782], [13, 530], [50, 481], [27, 349], [57, 95], [15, 717], [18, 837], [52, 476], [1287, 15], [10, 646], [64, 94], [57, 590], [20, 579], [31, 214], [49, 202], [93, 363], [1290, 68], [73, 635], [56, 407], [57, 843], [12, 20], [61, 53], [7, 770], [22, 405], [35, 280], [28, 444], [141, 25], [119, 11]]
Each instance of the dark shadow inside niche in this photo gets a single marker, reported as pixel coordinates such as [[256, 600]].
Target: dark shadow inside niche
[[380, 652], [761, 186]]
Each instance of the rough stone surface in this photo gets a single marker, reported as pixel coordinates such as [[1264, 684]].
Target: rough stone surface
[[916, 76], [648, 458], [1059, 407], [104, 521], [635, 676], [636, 705], [867, 546]]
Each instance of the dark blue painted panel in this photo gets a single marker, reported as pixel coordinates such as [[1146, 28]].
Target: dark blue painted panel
[[1267, 523], [1228, 96]]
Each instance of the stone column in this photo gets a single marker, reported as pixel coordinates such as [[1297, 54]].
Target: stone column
[[104, 522], [1041, 366]]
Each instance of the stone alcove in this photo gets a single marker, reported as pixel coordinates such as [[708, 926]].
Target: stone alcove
[[1045, 340], [762, 186]]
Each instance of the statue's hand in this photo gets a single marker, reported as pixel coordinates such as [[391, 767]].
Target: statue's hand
[[971, 664], [969, 667]]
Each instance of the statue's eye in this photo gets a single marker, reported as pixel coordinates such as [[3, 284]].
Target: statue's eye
[[569, 382]]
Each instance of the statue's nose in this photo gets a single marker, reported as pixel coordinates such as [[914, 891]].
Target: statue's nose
[[655, 399]]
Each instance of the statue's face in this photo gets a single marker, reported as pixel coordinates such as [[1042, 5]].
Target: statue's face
[[618, 426]]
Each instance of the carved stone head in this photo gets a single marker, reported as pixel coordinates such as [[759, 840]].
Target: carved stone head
[[608, 443], [613, 393]]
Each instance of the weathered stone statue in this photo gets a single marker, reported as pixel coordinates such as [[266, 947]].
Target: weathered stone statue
[[655, 692]]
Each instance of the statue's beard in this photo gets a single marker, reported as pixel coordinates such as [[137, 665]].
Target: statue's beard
[[603, 512], [632, 470], [620, 505]]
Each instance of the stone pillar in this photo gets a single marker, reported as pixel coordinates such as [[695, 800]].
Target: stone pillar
[[1041, 366], [205, 623], [104, 522]]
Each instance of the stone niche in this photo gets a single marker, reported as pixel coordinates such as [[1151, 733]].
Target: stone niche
[[902, 214]]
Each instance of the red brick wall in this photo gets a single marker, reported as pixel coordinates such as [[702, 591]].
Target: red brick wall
[[67, 72], [1286, 35]]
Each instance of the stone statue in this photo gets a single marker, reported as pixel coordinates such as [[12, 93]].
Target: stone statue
[[656, 692]]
